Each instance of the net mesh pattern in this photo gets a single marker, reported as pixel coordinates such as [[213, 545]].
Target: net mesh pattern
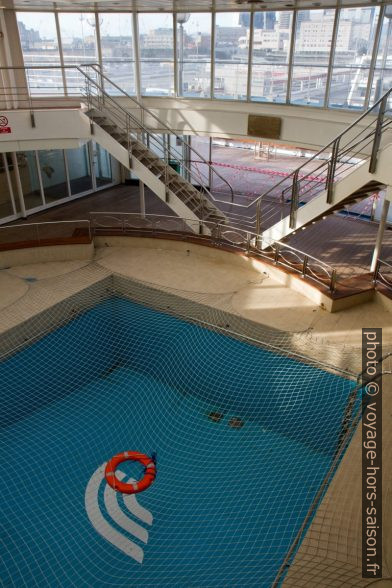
[[245, 427]]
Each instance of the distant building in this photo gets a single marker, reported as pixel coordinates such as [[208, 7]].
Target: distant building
[[28, 37], [261, 20], [229, 36], [263, 40], [161, 38], [285, 19], [316, 36]]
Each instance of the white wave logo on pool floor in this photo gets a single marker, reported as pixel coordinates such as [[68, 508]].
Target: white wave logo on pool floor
[[104, 528]]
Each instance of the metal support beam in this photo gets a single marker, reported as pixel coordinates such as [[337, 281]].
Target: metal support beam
[[291, 56], [332, 56], [331, 171], [210, 170], [60, 46], [377, 135], [212, 79], [373, 61], [294, 201], [136, 55], [178, 57], [250, 54]]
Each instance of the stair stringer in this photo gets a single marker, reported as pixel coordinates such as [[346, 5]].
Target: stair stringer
[[120, 153], [318, 206]]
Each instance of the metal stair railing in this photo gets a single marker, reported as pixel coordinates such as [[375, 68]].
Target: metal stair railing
[[168, 151], [340, 153], [133, 131], [35, 89], [219, 235], [334, 160], [383, 274]]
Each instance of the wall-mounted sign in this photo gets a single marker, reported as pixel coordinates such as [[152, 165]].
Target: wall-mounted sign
[[267, 127], [4, 128]]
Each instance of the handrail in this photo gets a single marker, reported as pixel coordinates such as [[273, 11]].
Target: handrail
[[220, 233], [140, 124], [98, 70], [16, 229], [331, 162], [100, 87], [380, 108], [13, 226], [379, 274], [112, 114]]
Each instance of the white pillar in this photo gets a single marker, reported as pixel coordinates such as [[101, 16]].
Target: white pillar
[[381, 228], [142, 200]]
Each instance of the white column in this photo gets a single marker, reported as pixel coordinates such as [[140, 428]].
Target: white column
[[381, 228]]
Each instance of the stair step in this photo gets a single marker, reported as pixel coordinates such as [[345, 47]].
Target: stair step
[[184, 190]]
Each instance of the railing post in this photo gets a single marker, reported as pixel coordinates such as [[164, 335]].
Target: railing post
[[332, 284], [305, 265], [378, 134], [294, 201], [166, 182], [258, 217], [331, 171], [276, 256], [282, 205], [248, 242], [89, 102], [218, 228], [376, 272], [129, 142], [32, 117], [101, 84]]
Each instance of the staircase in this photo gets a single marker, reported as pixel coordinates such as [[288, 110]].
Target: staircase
[[341, 173], [355, 165], [188, 193]]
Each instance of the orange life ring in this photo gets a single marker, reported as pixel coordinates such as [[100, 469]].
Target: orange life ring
[[150, 471]]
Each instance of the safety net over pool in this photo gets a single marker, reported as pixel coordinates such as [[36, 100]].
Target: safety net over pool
[[244, 437]]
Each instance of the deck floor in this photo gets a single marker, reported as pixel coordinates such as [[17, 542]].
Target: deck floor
[[345, 243]]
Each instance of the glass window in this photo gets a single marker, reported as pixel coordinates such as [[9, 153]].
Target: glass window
[[78, 39], [194, 54], [6, 206], [115, 31], [313, 41], [27, 164], [53, 174], [353, 54], [270, 55], [79, 170], [156, 54], [232, 33], [38, 38], [102, 166], [383, 68]]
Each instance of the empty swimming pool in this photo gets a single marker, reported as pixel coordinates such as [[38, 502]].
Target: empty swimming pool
[[243, 437]]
